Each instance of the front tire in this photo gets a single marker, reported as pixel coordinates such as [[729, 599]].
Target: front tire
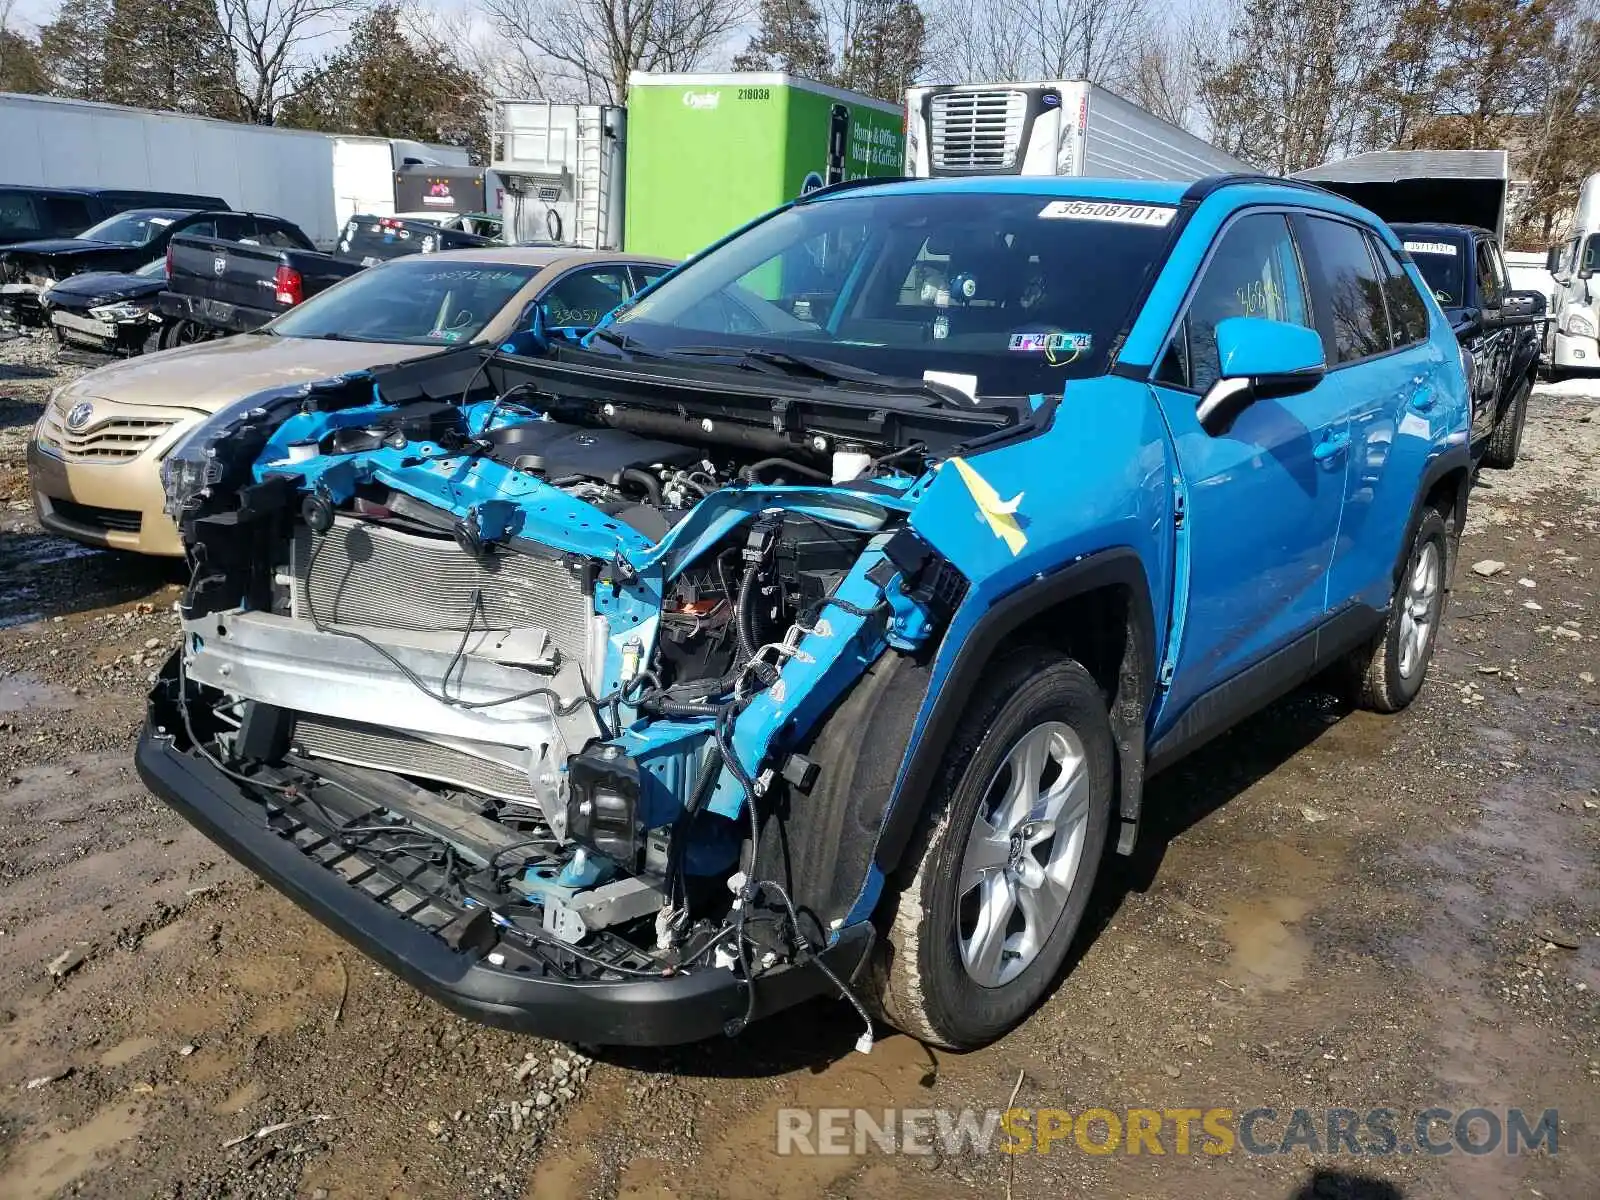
[[999, 871], [1388, 672], [1500, 451]]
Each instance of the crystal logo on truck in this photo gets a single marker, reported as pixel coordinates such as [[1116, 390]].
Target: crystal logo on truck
[[702, 101]]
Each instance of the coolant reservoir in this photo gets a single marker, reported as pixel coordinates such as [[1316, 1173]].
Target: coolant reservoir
[[850, 462]]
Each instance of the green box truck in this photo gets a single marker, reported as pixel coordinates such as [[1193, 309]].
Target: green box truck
[[708, 152]]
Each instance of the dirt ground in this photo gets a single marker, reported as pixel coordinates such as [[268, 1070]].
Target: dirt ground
[[1328, 909]]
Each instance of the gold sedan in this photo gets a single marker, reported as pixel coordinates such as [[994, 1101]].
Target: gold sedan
[[95, 458]]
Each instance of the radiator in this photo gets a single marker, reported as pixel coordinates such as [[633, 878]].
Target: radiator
[[372, 575], [391, 750]]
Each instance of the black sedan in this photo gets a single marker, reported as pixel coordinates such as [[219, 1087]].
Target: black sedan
[[124, 242], [107, 310]]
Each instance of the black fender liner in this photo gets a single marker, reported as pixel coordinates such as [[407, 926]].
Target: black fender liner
[[1118, 567], [1456, 458]]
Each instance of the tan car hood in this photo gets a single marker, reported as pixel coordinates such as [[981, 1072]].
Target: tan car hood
[[211, 374]]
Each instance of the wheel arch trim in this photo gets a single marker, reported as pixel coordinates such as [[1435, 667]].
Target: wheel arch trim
[[1116, 568]]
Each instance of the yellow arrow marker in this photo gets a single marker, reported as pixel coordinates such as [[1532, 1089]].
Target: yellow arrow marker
[[999, 513]]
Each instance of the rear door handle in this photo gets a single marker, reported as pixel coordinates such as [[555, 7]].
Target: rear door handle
[[1331, 447]]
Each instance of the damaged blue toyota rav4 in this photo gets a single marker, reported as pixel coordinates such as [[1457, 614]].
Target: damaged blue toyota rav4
[[813, 624]]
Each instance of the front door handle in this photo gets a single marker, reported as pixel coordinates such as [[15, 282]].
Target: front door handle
[[1330, 448]]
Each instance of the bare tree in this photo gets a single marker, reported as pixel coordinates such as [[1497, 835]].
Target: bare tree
[[272, 46], [1162, 75], [508, 68], [1286, 89], [875, 47], [977, 40], [586, 49]]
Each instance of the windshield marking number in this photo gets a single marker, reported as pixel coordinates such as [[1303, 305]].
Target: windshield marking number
[[1430, 248], [1100, 210]]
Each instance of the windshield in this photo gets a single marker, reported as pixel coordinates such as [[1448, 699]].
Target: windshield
[[130, 228], [420, 301], [1591, 254], [999, 294], [1443, 265], [157, 268]]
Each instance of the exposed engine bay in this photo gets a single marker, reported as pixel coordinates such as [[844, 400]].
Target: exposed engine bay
[[539, 671]]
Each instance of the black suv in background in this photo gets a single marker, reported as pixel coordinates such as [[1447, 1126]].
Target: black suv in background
[[28, 214]]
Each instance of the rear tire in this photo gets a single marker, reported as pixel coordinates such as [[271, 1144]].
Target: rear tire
[[1386, 674], [998, 873], [1500, 451], [181, 333]]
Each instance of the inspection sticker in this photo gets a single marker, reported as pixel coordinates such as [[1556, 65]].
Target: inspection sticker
[[1042, 343], [1431, 248], [1101, 210]]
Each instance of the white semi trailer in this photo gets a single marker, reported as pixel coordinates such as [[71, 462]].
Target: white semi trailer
[[1054, 127], [316, 180]]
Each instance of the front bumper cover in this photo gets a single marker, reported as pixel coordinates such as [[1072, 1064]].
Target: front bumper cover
[[669, 1010]]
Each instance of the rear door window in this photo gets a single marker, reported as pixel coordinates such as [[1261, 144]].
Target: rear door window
[[19, 218], [1345, 290], [643, 277], [1253, 272], [67, 215], [277, 238], [1408, 314]]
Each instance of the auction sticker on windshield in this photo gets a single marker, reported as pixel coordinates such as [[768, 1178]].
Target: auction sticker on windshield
[[1103, 210], [1431, 248]]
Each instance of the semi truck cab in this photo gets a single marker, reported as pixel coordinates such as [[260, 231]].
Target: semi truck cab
[[1574, 337]]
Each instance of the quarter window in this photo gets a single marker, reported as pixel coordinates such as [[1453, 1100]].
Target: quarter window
[[1491, 287], [1346, 291], [1254, 272], [1408, 314]]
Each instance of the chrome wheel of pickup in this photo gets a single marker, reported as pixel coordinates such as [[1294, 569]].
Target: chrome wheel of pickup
[[1419, 616], [1023, 853]]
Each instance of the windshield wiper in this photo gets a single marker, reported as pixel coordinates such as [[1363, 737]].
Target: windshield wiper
[[824, 370], [622, 342]]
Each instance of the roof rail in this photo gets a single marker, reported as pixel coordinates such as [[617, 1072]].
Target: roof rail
[[846, 185], [1202, 188]]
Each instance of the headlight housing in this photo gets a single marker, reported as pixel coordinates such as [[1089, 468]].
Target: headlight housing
[[1579, 325], [221, 449], [123, 311]]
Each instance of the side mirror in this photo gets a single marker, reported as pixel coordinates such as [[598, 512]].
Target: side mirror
[[1552, 259], [1260, 360], [1524, 305]]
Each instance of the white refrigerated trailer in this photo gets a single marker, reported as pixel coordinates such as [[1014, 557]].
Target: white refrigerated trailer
[[314, 179], [1053, 127]]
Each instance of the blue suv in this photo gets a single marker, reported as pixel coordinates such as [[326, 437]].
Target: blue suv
[[814, 623]]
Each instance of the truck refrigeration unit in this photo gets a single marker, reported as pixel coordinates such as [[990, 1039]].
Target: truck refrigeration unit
[[559, 169], [1054, 127]]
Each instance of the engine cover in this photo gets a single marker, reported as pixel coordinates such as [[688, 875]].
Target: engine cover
[[557, 450]]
